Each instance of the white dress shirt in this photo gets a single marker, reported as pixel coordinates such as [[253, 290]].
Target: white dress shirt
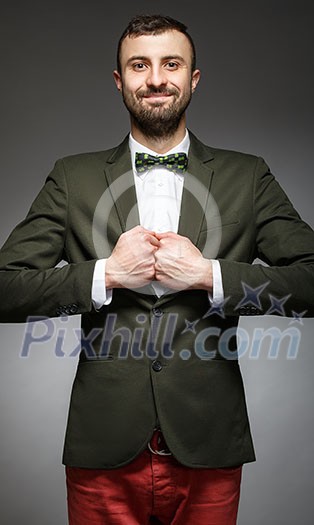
[[159, 195]]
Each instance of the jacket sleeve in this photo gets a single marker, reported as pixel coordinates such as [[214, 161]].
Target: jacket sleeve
[[286, 244], [30, 283]]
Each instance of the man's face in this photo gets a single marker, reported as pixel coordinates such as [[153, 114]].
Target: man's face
[[156, 80]]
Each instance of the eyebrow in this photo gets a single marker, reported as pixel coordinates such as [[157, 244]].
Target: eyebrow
[[167, 57]]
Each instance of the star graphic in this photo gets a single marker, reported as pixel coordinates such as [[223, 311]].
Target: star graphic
[[297, 318], [217, 309], [190, 326], [251, 295], [277, 305]]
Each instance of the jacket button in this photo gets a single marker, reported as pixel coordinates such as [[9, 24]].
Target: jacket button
[[157, 312], [74, 308], [157, 366], [62, 310]]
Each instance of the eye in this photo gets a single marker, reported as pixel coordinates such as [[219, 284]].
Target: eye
[[172, 65], [139, 66]]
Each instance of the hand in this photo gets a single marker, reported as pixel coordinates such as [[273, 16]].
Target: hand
[[132, 262], [180, 265]]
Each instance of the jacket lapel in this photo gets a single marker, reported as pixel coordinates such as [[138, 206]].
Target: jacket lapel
[[120, 180], [197, 182]]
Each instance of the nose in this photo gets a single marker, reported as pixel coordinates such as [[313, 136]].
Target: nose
[[156, 78]]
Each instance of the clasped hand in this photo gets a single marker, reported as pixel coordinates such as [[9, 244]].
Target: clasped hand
[[142, 256]]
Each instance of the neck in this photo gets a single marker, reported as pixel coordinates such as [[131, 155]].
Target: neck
[[159, 144]]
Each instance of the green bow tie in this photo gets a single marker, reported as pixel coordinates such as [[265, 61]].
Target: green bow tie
[[176, 162]]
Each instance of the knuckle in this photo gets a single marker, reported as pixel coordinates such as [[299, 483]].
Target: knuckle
[[124, 235]]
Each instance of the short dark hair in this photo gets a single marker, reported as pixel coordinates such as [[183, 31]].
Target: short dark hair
[[153, 25]]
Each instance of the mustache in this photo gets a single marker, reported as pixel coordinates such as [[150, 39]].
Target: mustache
[[157, 91]]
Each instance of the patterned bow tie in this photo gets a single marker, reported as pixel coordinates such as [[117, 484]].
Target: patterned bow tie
[[176, 162]]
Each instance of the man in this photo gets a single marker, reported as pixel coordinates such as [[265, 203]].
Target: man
[[160, 235]]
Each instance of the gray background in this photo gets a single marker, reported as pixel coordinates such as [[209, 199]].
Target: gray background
[[58, 98]]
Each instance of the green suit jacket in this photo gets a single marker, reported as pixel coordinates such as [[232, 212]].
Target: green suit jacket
[[171, 360]]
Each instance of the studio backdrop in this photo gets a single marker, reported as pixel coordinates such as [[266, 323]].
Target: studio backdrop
[[58, 98]]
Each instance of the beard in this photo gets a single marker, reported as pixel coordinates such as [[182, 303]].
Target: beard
[[157, 121]]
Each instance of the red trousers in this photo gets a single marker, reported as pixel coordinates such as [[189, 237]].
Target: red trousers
[[153, 489]]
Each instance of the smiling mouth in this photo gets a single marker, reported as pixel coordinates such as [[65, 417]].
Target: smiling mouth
[[157, 97]]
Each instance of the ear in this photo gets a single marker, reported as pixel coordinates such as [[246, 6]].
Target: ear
[[117, 79], [196, 75]]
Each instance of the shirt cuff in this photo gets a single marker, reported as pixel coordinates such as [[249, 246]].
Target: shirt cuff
[[218, 296], [100, 295]]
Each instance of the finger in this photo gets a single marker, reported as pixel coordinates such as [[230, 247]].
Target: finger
[[165, 235], [139, 230], [145, 230], [152, 240]]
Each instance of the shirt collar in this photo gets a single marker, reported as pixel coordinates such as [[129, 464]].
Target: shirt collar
[[135, 146]]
